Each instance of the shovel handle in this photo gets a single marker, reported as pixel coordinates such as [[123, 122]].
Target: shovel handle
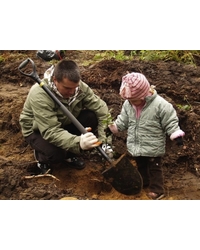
[[33, 74], [73, 119]]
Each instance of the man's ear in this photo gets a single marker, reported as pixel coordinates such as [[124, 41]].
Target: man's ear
[[53, 79]]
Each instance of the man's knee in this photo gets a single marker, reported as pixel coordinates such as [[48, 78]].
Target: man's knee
[[88, 119]]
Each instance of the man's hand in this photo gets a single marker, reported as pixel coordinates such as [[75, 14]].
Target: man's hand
[[88, 141]]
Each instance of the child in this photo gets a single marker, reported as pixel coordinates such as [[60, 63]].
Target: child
[[148, 118]]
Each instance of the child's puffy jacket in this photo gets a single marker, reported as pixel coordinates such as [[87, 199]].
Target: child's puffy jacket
[[146, 135]]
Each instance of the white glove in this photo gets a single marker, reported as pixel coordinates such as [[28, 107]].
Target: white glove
[[88, 141], [108, 150]]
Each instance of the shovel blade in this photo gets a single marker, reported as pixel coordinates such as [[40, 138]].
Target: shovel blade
[[124, 177]]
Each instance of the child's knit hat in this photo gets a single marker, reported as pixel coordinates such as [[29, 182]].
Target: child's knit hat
[[134, 86]]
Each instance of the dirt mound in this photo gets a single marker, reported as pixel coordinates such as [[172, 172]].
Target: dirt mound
[[177, 82]]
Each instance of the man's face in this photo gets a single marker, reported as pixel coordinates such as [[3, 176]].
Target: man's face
[[66, 87]]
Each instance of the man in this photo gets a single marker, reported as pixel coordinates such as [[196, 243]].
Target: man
[[49, 131]]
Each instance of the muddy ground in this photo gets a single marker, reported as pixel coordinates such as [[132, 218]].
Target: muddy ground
[[178, 83]]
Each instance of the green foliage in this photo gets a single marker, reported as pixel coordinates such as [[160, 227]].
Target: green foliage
[[108, 120], [2, 59], [184, 56], [114, 54], [186, 107], [53, 62], [10, 56]]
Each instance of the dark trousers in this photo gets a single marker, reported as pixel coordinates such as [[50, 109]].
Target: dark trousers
[[49, 153], [151, 171]]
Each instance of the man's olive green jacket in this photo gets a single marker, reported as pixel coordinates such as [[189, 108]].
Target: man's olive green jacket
[[41, 113]]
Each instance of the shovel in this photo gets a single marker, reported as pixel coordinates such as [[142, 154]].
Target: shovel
[[121, 174]]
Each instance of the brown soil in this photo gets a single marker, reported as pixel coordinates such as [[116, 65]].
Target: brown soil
[[177, 82]]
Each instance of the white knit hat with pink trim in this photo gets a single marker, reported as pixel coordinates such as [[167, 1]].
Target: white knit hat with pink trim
[[134, 86]]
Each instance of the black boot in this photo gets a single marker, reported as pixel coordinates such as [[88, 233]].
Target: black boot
[[43, 167], [76, 163]]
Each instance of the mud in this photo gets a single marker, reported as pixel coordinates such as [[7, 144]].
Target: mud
[[178, 83]]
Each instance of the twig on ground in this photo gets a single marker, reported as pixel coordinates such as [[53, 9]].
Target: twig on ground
[[40, 176], [94, 179], [23, 151]]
